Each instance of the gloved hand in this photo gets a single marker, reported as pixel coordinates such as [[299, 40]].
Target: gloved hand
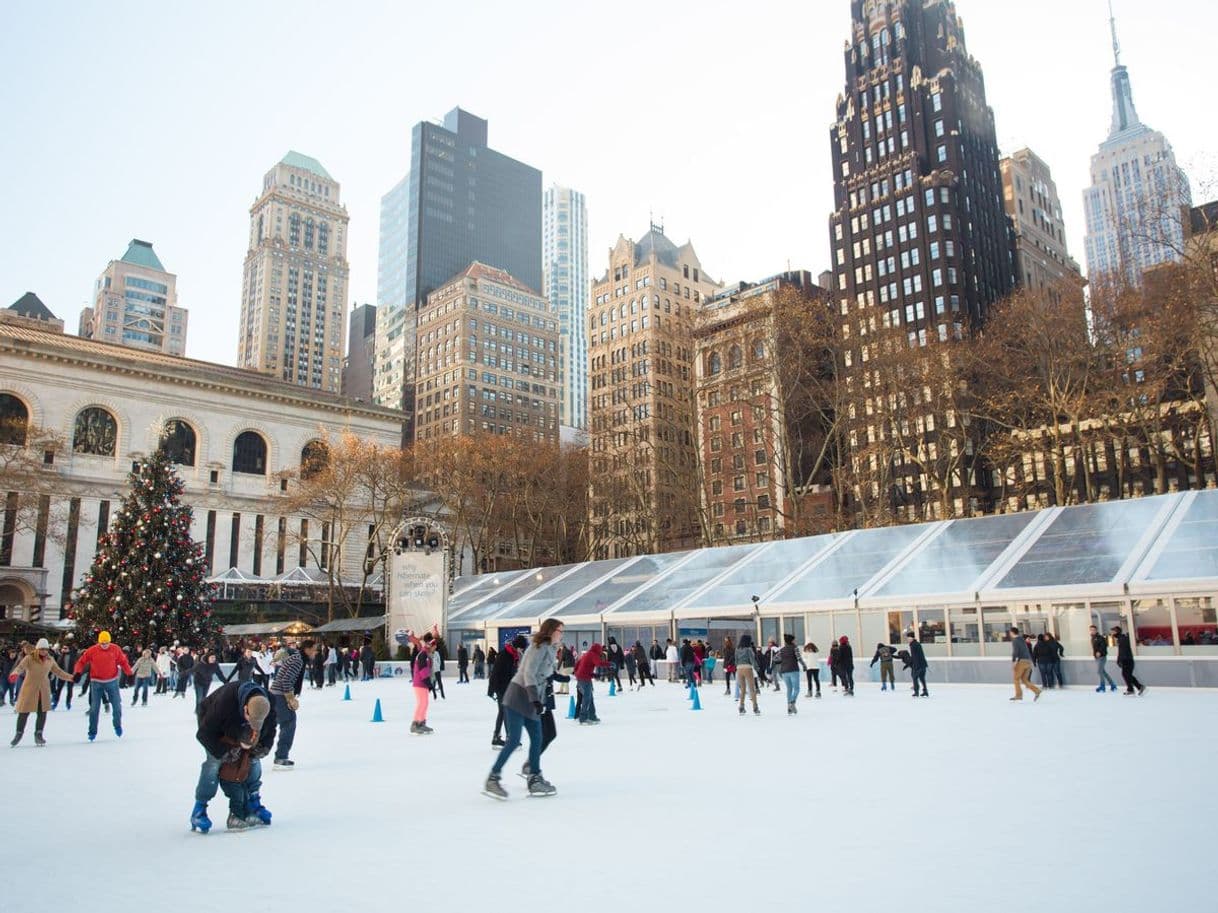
[[258, 752], [537, 705]]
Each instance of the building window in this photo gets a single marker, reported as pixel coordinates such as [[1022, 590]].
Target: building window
[[738, 505], [178, 442], [14, 420], [738, 483], [734, 357], [96, 432], [249, 454], [314, 458], [714, 364]]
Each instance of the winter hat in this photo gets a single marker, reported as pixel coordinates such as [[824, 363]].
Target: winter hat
[[520, 642], [844, 640], [103, 637], [259, 709], [911, 635], [746, 640], [42, 644]]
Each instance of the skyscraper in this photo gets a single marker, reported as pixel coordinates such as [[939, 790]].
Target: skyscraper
[[390, 346], [294, 293], [1138, 198], [135, 303], [361, 352], [921, 243], [465, 203], [641, 409], [1042, 260], [564, 270]]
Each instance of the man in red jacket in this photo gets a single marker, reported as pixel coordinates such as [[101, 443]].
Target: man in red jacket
[[584, 670], [103, 661]]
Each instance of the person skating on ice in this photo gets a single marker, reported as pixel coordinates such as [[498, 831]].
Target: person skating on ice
[[746, 672], [285, 689], [1125, 662], [884, 655], [523, 704], [1099, 650], [812, 665], [462, 664], [35, 670], [617, 659], [788, 662], [103, 662], [917, 664], [501, 676], [833, 667], [1021, 666], [729, 663], [236, 729], [845, 665], [585, 670], [145, 675], [422, 669], [644, 665]]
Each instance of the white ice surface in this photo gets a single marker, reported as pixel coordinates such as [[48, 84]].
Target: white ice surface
[[964, 802]]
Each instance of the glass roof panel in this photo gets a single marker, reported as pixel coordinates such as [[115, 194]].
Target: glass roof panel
[[954, 560], [764, 572], [857, 561], [1192, 550], [473, 587], [539, 605], [614, 587], [1084, 544], [523, 585], [699, 570]]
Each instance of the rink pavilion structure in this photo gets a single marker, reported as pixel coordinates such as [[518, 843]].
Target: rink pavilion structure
[[1148, 564]]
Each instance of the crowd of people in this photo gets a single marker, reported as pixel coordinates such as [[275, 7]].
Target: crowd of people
[[254, 710]]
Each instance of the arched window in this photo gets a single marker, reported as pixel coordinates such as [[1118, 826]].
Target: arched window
[[96, 432], [313, 459], [249, 454], [714, 364], [14, 420], [178, 442], [734, 357], [758, 348]]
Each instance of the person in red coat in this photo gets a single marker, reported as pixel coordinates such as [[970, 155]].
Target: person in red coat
[[584, 671], [103, 661]]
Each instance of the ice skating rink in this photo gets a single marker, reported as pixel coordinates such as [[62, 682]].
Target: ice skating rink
[[964, 802]]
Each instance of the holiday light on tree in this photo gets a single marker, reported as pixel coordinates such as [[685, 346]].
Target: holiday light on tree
[[147, 555]]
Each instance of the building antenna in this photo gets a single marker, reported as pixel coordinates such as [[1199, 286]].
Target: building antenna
[[1116, 45]]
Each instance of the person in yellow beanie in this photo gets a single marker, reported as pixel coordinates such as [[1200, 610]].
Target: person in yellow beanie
[[103, 661], [103, 637]]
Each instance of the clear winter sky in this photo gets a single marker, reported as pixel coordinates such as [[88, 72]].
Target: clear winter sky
[[157, 120]]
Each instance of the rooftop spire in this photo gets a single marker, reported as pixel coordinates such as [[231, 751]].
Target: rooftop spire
[[1124, 115]]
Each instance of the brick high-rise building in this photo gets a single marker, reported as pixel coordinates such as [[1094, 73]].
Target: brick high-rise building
[[488, 359], [1041, 258], [921, 243], [294, 294], [644, 489], [756, 453], [135, 304]]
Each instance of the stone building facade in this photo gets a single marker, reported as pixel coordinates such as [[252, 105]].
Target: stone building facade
[[135, 304], [234, 433]]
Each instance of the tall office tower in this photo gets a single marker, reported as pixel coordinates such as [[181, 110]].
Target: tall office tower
[[564, 269], [361, 353], [294, 293], [641, 408], [389, 361], [488, 359], [135, 303], [1138, 198], [1041, 258], [921, 243], [467, 203]]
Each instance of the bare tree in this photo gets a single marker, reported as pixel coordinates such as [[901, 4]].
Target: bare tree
[[30, 481]]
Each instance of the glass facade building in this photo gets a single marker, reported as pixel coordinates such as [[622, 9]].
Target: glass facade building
[[565, 279]]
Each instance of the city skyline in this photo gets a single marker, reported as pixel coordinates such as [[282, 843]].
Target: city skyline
[[363, 141]]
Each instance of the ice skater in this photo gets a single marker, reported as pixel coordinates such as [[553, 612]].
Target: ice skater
[[236, 730], [1125, 662], [1021, 666], [746, 672], [833, 650], [1099, 649], [422, 670], [462, 664], [501, 676], [789, 662], [644, 665], [103, 661], [812, 665], [845, 665], [202, 673], [145, 673], [285, 691], [917, 665], [35, 669], [617, 660], [585, 669], [729, 664], [883, 655], [524, 704]]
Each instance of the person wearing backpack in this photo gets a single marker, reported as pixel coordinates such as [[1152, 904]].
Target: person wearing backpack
[[883, 654]]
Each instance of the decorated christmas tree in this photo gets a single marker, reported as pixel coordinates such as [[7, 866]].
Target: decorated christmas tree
[[147, 585]]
